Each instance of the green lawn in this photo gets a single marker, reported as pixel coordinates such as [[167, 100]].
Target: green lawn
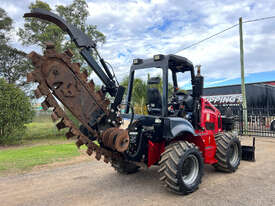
[[42, 130], [41, 144], [22, 159]]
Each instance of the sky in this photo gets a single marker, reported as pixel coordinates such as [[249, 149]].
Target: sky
[[142, 28]]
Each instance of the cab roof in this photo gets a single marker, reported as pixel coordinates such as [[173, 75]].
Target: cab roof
[[175, 63]]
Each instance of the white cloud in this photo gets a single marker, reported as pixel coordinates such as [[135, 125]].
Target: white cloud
[[142, 28]]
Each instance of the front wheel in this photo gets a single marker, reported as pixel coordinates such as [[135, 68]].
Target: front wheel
[[228, 152], [181, 167]]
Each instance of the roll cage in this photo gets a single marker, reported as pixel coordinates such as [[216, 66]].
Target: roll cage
[[170, 62]]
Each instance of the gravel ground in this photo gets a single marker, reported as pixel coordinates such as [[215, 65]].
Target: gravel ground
[[96, 183]]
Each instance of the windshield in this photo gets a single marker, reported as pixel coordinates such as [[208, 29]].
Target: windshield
[[147, 91], [143, 81]]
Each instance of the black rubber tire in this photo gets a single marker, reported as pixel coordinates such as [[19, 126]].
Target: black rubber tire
[[171, 167], [226, 144], [125, 167], [272, 126]]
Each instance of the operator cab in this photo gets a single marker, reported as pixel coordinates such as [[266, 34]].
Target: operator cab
[[163, 97], [159, 110]]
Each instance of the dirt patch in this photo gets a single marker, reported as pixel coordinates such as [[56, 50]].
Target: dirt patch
[[74, 160], [96, 183]]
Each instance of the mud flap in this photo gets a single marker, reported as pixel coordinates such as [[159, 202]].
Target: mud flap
[[248, 152]]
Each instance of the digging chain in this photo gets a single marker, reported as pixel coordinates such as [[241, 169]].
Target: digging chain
[[60, 79]]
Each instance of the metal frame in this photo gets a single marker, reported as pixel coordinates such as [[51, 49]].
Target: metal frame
[[165, 63]]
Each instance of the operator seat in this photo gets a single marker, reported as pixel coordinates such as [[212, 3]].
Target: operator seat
[[154, 102]]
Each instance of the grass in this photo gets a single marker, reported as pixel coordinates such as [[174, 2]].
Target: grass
[[22, 159], [42, 129], [41, 144]]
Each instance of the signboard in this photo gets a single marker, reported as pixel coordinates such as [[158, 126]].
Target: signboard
[[225, 100]]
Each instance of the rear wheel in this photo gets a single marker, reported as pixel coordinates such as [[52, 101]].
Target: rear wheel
[[228, 152], [125, 167], [181, 167]]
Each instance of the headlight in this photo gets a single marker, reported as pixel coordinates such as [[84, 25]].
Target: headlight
[[158, 57], [137, 61]]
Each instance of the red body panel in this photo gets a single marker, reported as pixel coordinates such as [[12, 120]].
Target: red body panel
[[210, 119], [209, 115], [208, 146], [154, 152]]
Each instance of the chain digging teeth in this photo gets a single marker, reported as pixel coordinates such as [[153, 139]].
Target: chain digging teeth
[[42, 76], [54, 117], [30, 77], [45, 105]]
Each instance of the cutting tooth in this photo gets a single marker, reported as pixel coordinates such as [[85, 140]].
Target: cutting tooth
[[78, 64], [50, 45], [35, 58], [45, 105], [60, 125], [54, 117], [43, 89], [50, 99], [30, 77], [76, 67], [89, 151], [69, 135], [84, 139], [67, 122], [106, 159], [69, 53], [100, 94], [37, 93], [74, 132], [98, 154], [106, 101], [58, 112], [84, 75], [34, 76], [79, 143], [92, 84]]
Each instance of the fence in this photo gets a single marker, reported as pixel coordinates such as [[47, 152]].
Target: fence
[[260, 121]]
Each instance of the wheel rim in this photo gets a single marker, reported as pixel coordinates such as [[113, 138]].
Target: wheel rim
[[190, 169], [233, 154]]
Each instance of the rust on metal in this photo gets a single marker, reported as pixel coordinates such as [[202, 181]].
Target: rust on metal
[[116, 138], [61, 80]]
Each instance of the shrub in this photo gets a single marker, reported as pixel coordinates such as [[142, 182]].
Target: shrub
[[15, 111]]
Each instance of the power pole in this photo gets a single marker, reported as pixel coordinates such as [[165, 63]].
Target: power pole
[[242, 76]]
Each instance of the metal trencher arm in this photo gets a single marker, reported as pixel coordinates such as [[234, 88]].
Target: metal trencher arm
[[60, 79]]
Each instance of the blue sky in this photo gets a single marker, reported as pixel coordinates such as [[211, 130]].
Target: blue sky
[[142, 28]]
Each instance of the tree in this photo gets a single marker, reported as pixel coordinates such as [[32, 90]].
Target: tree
[[37, 32], [15, 111], [5, 26], [13, 62], [139, 93], [13, 65]]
